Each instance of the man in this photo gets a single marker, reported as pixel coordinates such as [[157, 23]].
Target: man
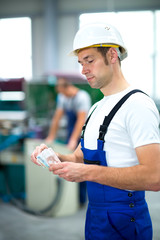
[[75, 103], [120, 144]]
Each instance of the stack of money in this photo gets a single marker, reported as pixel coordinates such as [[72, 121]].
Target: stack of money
[[47, 157]]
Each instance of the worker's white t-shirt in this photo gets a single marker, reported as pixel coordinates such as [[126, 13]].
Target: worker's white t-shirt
[[135, 124], [81, 102]]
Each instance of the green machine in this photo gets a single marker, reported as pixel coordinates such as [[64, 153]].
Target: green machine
[[41, 98]]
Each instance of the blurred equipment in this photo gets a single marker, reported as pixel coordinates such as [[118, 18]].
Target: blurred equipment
[[46, 193], [13, 131], [13, 116]]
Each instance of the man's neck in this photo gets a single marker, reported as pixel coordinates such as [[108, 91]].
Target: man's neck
[[116, 84]]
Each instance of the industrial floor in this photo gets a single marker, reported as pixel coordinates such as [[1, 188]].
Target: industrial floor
[[17, 225]]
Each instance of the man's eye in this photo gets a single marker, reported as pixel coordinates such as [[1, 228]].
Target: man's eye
[[90, 61]]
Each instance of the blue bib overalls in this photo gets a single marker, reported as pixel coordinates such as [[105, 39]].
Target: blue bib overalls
[[71, 120], [113, 214]]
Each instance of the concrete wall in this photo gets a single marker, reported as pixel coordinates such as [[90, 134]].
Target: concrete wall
[[34, 7], [51, 45]]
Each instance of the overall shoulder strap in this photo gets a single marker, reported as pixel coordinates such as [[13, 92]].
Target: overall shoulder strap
[[84, 126], [108, 119]]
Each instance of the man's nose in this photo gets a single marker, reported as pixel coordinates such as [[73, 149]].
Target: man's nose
[[85, 69]]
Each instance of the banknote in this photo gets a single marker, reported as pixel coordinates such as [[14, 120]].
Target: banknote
[[47, 157]]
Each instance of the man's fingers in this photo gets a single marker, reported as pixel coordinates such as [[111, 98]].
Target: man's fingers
[[37, 151], [55, 167]]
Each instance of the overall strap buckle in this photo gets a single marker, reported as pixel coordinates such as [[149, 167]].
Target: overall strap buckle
[[102, 132], [83, 130]]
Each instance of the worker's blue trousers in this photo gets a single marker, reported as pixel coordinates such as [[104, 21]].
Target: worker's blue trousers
[[114, 214]]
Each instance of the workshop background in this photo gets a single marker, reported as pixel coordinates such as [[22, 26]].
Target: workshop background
[[35, 39]]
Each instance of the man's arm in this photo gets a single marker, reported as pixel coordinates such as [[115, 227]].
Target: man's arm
[[54, 125], [75, 157], [145, 176], [81, 117]]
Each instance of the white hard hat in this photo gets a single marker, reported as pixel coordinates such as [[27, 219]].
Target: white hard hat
[[99, 35]]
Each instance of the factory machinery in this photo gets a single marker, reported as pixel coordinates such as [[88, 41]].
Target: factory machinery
[[26, 110], [13, 131]]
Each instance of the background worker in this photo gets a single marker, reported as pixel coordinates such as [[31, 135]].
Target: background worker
[[121, 151], [75, 104]]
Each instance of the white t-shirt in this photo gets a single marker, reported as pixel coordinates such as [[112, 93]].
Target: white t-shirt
[[80, 102], [135, 124]]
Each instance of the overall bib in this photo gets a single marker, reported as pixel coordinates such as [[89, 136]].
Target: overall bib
[[71, 119], [113, 214]]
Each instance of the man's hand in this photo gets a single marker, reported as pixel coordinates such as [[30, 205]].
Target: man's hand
[[37, 151], [72, 172]]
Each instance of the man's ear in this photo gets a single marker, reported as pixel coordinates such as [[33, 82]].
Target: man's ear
[[113, 55]]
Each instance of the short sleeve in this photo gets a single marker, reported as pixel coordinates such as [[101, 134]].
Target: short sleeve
[[142, 122], [83, 101], [60, 101]]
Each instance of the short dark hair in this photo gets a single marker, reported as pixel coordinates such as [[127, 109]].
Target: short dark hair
[[103, 51]]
